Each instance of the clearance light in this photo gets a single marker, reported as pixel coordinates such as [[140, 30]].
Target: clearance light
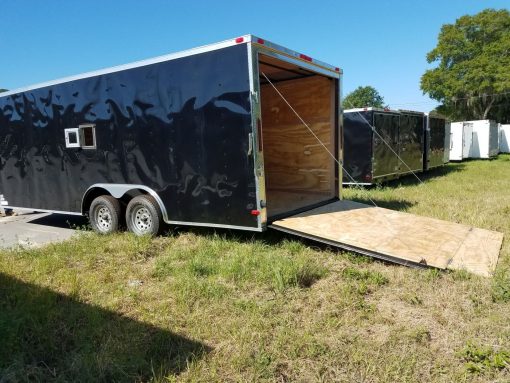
[[255, 212], [337, 69], [260, 41], [239, 40], [305, 57]]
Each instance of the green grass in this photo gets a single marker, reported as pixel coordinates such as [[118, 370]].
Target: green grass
[[205, 305]]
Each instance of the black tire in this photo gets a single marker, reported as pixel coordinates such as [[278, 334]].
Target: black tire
[[105, 214], [143, 216]]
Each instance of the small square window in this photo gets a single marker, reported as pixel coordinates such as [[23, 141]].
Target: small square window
[[72, 138], [88, 136]]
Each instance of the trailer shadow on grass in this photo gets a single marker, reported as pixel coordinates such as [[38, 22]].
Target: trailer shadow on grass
[[48, 336], [399, 205], [442, 171]]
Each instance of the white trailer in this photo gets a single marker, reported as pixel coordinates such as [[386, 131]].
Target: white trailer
[[484, 139], [461, 139], [504, 138]]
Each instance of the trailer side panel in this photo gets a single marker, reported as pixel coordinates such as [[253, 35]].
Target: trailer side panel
[[411, 147], [437, 134], [358, 141], [386, 145], [179, 127]]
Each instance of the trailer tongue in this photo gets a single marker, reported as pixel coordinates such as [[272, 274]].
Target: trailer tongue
[[398, 237]]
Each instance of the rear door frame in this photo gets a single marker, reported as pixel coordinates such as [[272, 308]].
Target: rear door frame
[[256, 47]]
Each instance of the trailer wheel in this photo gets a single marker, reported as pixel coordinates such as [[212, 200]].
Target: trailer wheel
[[143, 215], [105, 214]]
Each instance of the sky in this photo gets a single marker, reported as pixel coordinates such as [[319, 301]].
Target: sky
[[379, 43]]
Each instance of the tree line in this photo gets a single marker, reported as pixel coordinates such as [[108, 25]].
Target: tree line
[[471, 79]]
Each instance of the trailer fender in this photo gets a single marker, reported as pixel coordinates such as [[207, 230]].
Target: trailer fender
[[118, 191]]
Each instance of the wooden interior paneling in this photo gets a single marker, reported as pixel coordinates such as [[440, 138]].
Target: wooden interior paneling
[[294, 161]]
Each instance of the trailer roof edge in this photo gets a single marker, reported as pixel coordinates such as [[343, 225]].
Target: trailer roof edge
[[371, 109], [171, 56]]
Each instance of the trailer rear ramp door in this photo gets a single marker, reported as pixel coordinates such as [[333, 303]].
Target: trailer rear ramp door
[[398, 237]]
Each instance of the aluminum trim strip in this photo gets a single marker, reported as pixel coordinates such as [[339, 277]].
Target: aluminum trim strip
[[262, 49], [42, 210], [118, 190], [293, 54], [216, 225], [255, 114]]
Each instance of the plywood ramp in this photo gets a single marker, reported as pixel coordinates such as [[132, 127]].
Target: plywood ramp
[[398, 237]]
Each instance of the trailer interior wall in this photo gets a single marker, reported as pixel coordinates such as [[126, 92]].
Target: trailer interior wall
[[299, 171], [504, 138]]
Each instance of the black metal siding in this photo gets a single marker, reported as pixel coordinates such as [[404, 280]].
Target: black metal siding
[[179, 127], [358, 140]]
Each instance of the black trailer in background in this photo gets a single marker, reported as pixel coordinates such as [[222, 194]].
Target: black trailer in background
[[437, 141], [369, 156], [411, 141]]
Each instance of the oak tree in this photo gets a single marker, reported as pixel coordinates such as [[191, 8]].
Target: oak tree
[[363, 96], [472, 76]]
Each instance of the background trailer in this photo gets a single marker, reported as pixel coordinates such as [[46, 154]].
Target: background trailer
[[411, 141], [504, 138], [437, 141], [461, 138], [193, 138], [485, 139], [367, 156]]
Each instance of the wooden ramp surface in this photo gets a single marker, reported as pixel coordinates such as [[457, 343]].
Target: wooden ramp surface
[[398, 237]]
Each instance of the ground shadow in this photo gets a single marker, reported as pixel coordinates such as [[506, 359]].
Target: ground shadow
[[64, 221], [47, 336], [441, 171], [398, 205]]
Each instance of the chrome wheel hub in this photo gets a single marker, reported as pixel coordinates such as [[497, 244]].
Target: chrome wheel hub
[[104, 219], [142, 220]]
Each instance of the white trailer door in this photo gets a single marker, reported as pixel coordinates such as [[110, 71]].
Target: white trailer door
[[456, 141], [504, 139], [467, 144], [493, 139], [480, 144]]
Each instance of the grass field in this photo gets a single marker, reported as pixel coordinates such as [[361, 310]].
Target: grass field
[[204, 305]]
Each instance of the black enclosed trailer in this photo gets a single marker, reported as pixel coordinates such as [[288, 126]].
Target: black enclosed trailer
[[243, 134], [198, 137], [437, 141], [371, 141], [411, 141]]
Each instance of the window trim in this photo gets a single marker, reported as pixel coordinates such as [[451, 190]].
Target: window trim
[[81, 128]]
